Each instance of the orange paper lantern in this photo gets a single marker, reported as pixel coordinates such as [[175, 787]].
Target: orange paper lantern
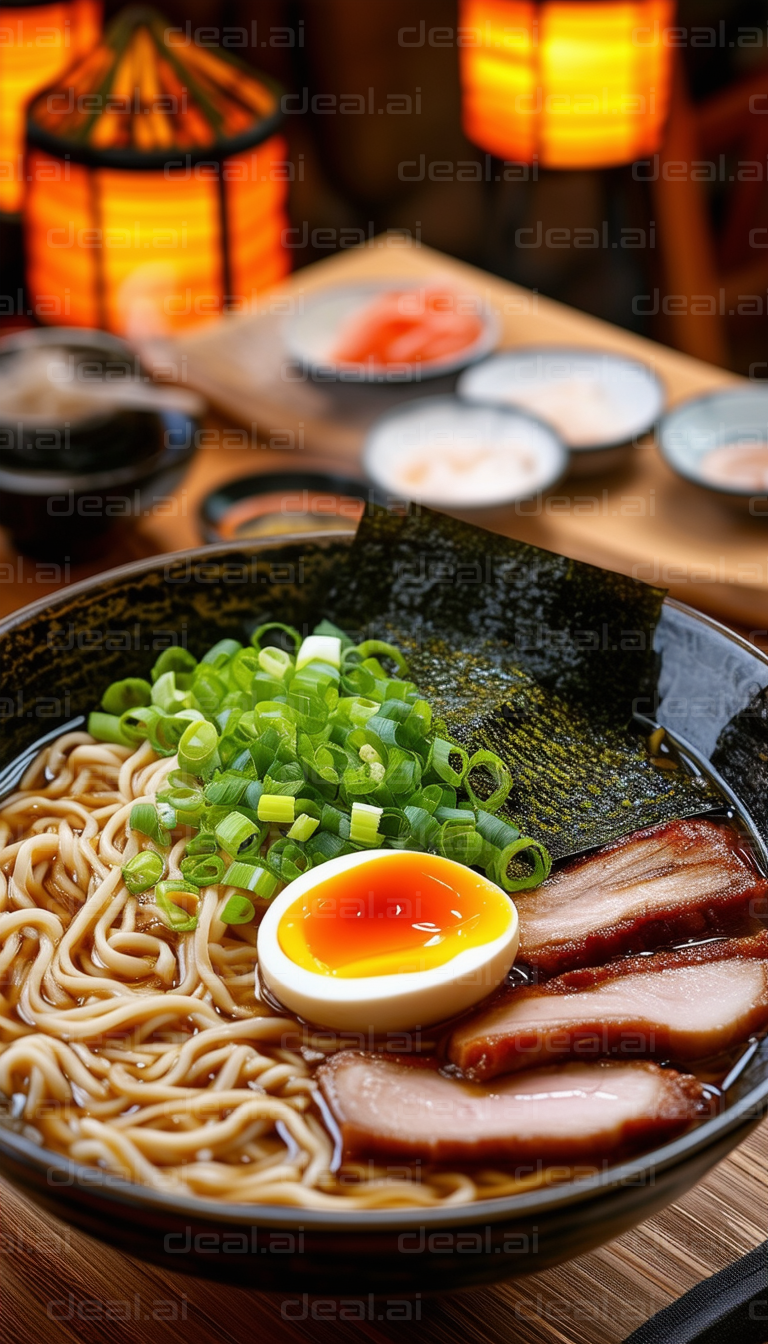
[[37, 42], [157, 184], [574, 85]]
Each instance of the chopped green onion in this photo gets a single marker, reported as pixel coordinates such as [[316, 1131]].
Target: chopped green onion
[[373, 646], [303, 827], [166, 695], [258, 635], [287, 860], [274, 662], [174, 659], [142, 871], [364, 824], [198, 748], [220, 653], [135, 723], [226, 790], [202, 843], [107, 728], [205, 870], [439, 761], [502, 779], [235, 830], [524, 848], [178, 901], [319, 648], [128, 694], [252, 877], [145, 820], [279, 807], [238, 910]]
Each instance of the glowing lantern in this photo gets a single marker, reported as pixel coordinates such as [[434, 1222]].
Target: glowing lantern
[[157, 184], [575, 85], [37, 42]]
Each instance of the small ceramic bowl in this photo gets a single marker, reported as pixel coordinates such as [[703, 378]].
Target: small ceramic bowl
[[448, 454], [51, 515], [314, 335], [282, 504], [598, 403], [720, 443], [81, 437]]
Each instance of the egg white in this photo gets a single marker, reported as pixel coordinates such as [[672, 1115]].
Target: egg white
[[379, 1003]]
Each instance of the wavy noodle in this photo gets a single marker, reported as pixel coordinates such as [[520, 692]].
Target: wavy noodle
[[147, 1052]]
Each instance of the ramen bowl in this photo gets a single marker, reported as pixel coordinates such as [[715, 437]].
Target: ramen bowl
[[57, 655]]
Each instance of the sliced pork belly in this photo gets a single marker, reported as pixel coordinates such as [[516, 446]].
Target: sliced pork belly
[[574, 1113], [683, 1006], [681, 880]]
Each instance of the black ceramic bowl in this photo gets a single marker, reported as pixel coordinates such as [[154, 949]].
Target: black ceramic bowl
[[92, 439], [56, 657], [53, 514]]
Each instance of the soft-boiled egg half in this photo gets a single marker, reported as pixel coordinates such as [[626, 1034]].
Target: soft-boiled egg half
[[386, 940]]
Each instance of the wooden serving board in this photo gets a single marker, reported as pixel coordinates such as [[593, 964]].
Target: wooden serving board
[[643, 520]]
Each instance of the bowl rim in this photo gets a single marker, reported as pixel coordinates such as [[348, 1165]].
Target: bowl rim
[[481, 348], [576, 450], [668, 418], [451, 400], [743, 1113]]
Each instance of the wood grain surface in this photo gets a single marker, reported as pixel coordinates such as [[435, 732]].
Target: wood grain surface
[[59, 1287], [643, 520]]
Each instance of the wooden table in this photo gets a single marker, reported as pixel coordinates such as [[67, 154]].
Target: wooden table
[[58, 1287]]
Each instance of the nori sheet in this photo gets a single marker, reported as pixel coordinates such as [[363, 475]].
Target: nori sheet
[[538, 657]]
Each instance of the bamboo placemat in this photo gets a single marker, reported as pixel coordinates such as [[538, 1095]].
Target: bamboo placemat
[[59, 1287]]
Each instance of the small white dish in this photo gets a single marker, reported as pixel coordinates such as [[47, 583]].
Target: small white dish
[[444, 452], [702, 438], [314, 336], [598, 403]]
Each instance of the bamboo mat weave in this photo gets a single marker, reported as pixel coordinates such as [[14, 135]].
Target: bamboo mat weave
[[59, 1287]]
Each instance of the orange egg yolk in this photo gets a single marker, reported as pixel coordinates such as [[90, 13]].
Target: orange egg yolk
[[408, 912]]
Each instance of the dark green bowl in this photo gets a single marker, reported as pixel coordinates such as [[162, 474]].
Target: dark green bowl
[[56, 656]]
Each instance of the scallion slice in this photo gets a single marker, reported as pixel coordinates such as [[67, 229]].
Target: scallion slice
[[237, 910], [235, 830], [277, 807], [144, 819], [142, 871], [107, 728], [364, 824], [177, 901], [252, 877], [303, 827]]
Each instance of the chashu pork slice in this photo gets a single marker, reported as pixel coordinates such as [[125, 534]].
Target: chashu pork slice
[[682, 880], [687, 1005], [573, 1113]]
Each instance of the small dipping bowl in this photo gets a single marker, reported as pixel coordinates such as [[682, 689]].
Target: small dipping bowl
[[720, 443], [329, 318], [71, 471], [282, 504], [446, 453], [55, 427], [598, 403]]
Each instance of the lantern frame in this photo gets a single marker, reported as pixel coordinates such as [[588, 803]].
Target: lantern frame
[[26, 7], [526, 50], [64, 148]]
